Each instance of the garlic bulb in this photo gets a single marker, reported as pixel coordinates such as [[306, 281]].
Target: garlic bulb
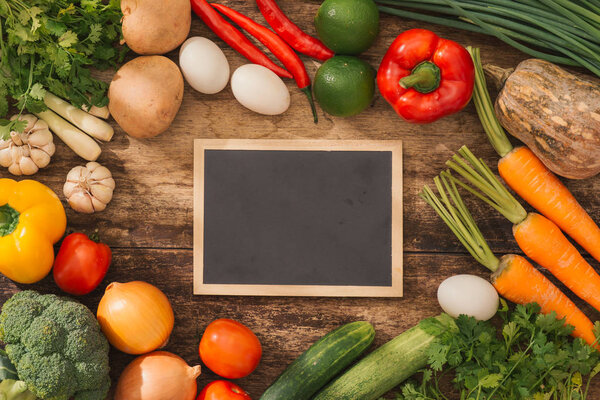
[[89, 189], [26, 152]]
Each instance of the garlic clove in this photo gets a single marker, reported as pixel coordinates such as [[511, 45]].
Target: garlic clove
[[15, 169], [70, 188], [81, 202], [40, 158], [49, 149], [5, 157], [100, 173], [98, 205], [40, 138], [77, 174], [102, 193], [40, 125], [27, 166]]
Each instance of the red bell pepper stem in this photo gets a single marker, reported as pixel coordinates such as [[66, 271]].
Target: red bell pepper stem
[[278, 47], [290, 32], [424, 78], [234, 37]]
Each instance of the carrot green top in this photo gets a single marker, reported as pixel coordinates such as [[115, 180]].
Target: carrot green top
[[485, 185], [485, 109], [456, 215]]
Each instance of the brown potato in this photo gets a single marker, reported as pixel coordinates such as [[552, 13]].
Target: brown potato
[[145, 95], [155, 26]]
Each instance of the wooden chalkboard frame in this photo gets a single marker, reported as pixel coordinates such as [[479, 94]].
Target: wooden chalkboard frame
[[393, 146]]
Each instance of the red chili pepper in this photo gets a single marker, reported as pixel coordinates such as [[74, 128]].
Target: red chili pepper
[[278, 47], [290, 32], [425, 77], [234, 37]]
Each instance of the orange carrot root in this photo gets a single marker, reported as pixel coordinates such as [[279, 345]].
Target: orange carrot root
[[544, 243], [536, 184], [518, 281]]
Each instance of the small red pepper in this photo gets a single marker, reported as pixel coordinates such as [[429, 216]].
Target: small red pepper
[[234, 37], [81, 264], [278, 47], [290, 32], [425, 77]]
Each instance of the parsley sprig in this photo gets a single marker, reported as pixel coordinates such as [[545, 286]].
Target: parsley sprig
[[533, 358], [51, 45]]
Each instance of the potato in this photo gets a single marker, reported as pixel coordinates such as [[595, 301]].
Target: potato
[[155, 26], [145, 95]]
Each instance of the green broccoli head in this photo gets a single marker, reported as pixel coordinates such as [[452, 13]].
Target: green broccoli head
[[56, 345]]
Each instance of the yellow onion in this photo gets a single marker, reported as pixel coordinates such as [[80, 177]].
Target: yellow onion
[[135, 317], [158, 376]]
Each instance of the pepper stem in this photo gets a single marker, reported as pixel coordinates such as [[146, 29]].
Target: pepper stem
[[424, 78], [308, 92], [9, 219]]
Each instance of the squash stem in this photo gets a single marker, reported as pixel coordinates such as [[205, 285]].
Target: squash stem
[[453, 211], [485, 185], [485, 109]]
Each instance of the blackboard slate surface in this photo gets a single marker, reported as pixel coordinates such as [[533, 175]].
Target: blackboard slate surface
[[276, 219]]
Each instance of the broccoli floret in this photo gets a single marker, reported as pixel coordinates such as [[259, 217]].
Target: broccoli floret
[[15, 390], [56, 346]]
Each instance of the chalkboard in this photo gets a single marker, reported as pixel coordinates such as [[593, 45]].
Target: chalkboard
[[298, 217]]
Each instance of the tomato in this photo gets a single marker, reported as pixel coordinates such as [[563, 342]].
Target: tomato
[[223, 390], [230, 349], [81, 264]]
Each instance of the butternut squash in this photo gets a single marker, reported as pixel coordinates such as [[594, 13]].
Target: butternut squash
[[555, 113]]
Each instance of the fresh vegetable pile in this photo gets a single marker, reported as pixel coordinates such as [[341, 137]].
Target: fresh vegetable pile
[[50, 45], [531, 358], [568, 30], [546, 349]]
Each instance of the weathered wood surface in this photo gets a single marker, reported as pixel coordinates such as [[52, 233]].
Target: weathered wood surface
[[149, 222]]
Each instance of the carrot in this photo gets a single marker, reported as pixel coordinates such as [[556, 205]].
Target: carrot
[[513, 277], [533, 286], [544, 243], [537, 185], [528, 176], [537, 236]]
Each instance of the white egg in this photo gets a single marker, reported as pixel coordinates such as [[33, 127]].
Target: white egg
[[259, 89], [469, 295], [204, 65]]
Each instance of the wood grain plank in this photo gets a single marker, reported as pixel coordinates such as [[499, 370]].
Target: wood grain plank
[[286, 326], [152, 206]]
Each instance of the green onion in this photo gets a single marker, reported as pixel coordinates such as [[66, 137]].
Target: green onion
[[568, 31]]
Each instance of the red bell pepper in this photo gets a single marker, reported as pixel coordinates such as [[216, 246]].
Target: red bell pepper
[[425, 77], [81, 264]]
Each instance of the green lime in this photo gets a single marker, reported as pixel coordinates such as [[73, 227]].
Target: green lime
[[347, 26], [344, 85]]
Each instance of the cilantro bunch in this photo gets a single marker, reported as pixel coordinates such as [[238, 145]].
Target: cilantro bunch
[[50, 45], [533, 358]]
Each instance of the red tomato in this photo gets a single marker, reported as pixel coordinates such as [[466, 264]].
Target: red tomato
[[230, 349], [81, 264], [223, 390]]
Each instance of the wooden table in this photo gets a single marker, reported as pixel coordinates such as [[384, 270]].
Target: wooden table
[[149, 222]]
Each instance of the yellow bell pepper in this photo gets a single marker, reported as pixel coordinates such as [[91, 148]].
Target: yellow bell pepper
[[32, 220]]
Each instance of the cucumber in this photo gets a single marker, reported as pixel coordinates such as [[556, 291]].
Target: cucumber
[[390, 364], [321, 362]]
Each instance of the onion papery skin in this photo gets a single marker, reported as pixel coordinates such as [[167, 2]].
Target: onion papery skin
[[158, 376], [136, 317]]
